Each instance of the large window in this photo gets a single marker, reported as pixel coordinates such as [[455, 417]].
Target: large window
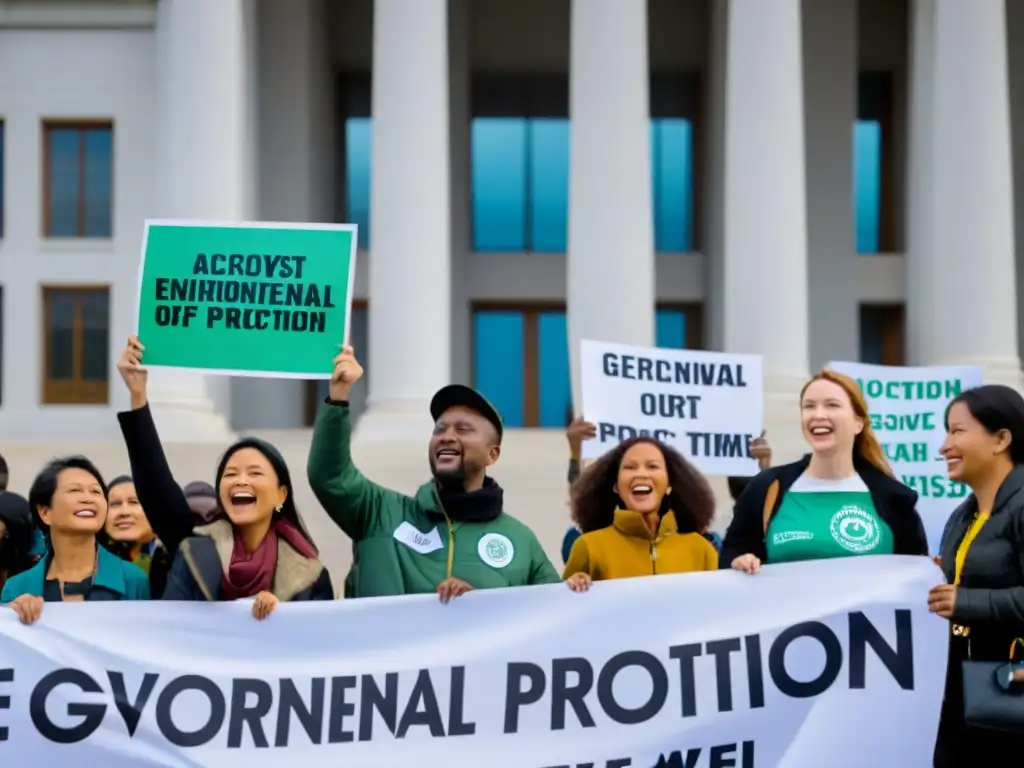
[[357, 136], [76, 344], [873, 208], [78, 179], [521, 358], [882, 334]]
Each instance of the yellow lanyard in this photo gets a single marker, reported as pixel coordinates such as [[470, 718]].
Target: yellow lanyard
[[972, 532], [979, 520]]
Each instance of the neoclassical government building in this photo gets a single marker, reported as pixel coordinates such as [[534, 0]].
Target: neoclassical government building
[[827, 179]]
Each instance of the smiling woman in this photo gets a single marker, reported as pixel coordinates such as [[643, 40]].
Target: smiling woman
[[69, 504], [841, 500], [258, 549], [128, 534], [643, 510]]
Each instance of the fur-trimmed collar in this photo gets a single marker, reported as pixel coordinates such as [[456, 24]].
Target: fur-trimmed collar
[[294, 574]]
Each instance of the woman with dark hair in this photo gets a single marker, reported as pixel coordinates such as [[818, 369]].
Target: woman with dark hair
[[982, 558], [841, 500], [128, 534], [17, 536], [259, 549], [68, 500], [642, 508]]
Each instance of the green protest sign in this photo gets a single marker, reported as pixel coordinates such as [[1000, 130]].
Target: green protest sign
[[252, 299]]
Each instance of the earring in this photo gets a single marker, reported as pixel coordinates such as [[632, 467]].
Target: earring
[[278, 508]]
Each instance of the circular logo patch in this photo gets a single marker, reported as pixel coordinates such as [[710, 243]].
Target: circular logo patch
[[495, 549], [855, 530]]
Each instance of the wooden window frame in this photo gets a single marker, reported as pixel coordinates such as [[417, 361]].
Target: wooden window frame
[[75, 391], [312, 399], [893, 324], [48, 127]]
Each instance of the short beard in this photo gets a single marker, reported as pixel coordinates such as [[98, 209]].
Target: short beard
[[454, 479]]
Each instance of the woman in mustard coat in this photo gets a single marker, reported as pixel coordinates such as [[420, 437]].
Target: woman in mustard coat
[[643, 510]]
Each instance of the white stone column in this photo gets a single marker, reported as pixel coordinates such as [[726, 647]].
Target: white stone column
[[972, 310], [610, 279], [202, 148], [410, 258], [765, 211]]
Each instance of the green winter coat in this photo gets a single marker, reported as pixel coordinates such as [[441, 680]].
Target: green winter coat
[[407, 545]]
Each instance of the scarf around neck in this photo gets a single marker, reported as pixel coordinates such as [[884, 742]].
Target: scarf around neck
[[253, 572], [478, 506]]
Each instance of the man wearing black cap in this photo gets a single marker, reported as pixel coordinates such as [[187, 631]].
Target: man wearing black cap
[[453, 535]]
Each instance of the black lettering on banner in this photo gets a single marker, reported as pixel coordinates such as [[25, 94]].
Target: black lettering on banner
[[310, 717], [245, 292], [606, 687], [6, 676], [668, 406], [616, 433], [516, 697], [720, 445], [719, 756], [688, 373], [242, 710], [131, 710], [203, 735], [91, 714], [249, 715]]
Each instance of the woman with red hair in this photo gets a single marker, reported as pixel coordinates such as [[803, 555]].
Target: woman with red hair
[[841, 500]]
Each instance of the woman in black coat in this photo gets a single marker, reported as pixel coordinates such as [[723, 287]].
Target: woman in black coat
[[982, 558], [258, 548]]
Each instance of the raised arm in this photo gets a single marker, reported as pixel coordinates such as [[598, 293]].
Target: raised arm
[[351, 500], [162, 499]]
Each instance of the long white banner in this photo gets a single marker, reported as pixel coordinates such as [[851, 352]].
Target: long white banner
[[833, 663]]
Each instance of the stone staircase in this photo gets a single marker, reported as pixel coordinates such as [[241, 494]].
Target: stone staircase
[[532, 471]]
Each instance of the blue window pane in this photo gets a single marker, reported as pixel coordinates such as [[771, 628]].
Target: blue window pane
[[499, 184], [498, 344], [64, 182], [99, 169], [554, 385], [549, 185], [867, 184], [358, 153], [670, 329], [672, 184]]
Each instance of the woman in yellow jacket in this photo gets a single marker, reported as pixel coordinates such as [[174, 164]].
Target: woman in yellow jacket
[[642, 509]]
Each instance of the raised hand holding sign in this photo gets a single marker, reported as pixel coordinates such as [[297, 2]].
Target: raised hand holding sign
[[347, 371], [129, 365]]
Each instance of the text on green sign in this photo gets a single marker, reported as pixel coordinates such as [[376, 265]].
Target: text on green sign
[[906, 452], [910, 390], [903, 422], [266, 304], [935, 486]]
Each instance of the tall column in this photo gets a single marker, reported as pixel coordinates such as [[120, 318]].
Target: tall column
[[202, 146], [765, 226], [973, 307], [610, 294], [410, 260]]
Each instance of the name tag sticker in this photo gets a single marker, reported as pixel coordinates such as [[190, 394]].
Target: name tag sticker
[[416, 540]]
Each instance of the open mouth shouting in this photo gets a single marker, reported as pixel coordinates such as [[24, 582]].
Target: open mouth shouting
[[243, 498], [447, 457], [641, 494], [821, 431], [85, 514]]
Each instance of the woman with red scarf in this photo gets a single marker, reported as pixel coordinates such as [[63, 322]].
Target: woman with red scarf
[[258, 548]]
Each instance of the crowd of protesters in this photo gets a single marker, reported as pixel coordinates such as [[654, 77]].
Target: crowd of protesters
[[641, 509]]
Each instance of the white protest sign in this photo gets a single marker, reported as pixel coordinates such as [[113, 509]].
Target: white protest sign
[[908, 407], [832, 663], [707, 405]]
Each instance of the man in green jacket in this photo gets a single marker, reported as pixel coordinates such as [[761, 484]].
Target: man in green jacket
[[453, 535]]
